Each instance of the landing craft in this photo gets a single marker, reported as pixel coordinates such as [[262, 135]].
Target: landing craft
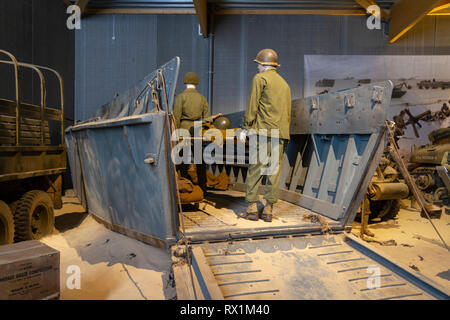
[[123, 174]]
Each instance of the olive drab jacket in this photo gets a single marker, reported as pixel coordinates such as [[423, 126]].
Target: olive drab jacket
[[269, 105], [189, 106]]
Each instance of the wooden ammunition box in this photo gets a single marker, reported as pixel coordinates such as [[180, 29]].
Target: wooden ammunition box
[[29, 270]]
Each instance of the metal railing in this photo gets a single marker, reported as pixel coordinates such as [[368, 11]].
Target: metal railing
[[45, 113]]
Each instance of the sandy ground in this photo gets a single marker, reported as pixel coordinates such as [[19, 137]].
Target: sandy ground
[[112, 266], [416, 243]]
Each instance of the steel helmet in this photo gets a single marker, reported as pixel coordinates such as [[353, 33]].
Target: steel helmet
[[191, 78], [267, 57], [222, 123]]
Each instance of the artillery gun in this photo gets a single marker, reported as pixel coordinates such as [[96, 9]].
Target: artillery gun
[[427, 163], [385, 191]]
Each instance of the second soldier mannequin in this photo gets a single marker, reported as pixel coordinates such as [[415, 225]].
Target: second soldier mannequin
[[190, 106]]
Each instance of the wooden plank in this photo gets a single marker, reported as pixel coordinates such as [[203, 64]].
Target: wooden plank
[[29, 110], [82, 4], [442, 8], [25, 141], [26, 121], [29, 174], [441, 12], [205, 276], [52, 149], [405, 14], [24, 127], [183, 284], [23, 134]]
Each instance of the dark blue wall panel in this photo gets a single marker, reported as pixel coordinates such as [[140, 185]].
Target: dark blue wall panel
[[142, 42], [114, 52]]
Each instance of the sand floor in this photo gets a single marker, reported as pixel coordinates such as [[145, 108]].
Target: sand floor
[[416, 244], [113, 266]]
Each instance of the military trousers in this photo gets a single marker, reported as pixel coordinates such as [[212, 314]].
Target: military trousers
[[271, 170]]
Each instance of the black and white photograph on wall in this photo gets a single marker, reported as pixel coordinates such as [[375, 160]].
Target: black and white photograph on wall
[[420, 100]]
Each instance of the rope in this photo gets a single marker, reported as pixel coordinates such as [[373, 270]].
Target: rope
[[171, 143]]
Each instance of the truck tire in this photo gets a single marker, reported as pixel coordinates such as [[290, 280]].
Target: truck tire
[[34, 217], [6, 224]]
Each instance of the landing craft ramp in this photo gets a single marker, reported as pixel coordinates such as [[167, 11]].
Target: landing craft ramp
[[123, 173]]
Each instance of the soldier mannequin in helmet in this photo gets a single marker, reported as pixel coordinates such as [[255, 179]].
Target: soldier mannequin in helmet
[[269, 107], [191, 106]]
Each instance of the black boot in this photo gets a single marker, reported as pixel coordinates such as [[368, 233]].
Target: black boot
[[266, 215], [251, 213]]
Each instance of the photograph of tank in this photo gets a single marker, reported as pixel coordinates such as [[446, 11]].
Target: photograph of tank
[[420, 98]]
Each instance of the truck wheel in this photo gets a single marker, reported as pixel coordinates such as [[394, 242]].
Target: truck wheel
[[6, 224], [384, 209], [34, 217]]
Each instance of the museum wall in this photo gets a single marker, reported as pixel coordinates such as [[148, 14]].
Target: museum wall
[[113, 52], [36, 32], [238, 39]]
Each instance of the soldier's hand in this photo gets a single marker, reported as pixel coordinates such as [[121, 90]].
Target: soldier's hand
[[242, 137]]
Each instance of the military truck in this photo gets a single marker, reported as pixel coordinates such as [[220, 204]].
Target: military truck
[[31, 163], [429, 165]]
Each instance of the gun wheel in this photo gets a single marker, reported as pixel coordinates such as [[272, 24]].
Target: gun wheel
[[384, 209]]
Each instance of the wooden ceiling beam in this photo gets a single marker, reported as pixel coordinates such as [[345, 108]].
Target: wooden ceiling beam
[[405, 14], [367, 3], [201, 9], [441, 9], [82, 4]]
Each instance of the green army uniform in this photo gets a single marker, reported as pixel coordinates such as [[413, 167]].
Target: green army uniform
[[269, 107], [191, 106]]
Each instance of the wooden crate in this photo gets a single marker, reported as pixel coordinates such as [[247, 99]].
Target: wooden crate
[[29, 270]]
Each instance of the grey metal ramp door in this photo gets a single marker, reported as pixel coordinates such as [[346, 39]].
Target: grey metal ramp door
[[336, 141], [341, 133]]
